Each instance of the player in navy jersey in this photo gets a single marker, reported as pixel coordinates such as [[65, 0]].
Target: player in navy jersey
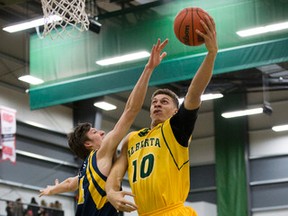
[[98, 150]]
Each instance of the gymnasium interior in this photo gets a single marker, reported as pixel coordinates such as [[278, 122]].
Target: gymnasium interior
[[238, 166]]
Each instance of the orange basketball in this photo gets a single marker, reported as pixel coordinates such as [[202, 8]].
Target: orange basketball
[[185, 24]]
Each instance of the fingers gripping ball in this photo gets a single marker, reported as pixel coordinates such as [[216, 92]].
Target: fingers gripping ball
[[185, 24]]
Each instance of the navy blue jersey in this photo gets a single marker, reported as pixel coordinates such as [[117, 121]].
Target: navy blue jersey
[[92, 196]]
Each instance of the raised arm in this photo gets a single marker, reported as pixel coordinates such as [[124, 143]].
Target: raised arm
[[68, 185], [204, 73], [133, 106]]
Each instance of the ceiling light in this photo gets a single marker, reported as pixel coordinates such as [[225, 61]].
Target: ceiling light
[[263, 29], [205, 97], [30, 79], [35, 124], [124, 58], [267, 109], [242, 112], [279, 128], [105, 106], [31, 24]]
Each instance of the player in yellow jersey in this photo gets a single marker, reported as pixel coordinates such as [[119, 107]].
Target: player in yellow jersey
[[157, 158], [97, 150]]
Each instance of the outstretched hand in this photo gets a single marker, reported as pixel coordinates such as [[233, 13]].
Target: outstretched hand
[[210, 36], [156, 54], [117, 199], [47, 191]]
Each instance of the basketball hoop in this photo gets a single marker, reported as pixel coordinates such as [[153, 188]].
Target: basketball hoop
[[68, 16]]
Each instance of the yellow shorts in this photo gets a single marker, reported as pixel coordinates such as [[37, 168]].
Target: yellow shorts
[[174, 210]]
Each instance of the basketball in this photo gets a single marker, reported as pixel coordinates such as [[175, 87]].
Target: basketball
[[185, 24]]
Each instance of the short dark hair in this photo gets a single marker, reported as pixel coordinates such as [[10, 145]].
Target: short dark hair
[[77, 138], [169, 93]]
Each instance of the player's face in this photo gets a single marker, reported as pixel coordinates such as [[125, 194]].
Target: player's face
[[162, 108], [95, 137]]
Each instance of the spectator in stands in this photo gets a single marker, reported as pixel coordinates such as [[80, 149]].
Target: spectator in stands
[[33, 206], [43, 212], [51, 209], [58, 205], [43, 203], [18, 208], [9, 208], [58, 209], [43, 209]]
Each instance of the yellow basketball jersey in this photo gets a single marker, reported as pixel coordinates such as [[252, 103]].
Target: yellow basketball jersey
[[158, 168]]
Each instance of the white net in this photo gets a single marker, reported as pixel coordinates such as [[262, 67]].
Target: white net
[[63, 17]]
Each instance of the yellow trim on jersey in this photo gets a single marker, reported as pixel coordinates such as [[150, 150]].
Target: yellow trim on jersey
[[81, 192], [98, 199]]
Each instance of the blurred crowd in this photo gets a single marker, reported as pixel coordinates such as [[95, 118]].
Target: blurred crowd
[[33, 208]]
